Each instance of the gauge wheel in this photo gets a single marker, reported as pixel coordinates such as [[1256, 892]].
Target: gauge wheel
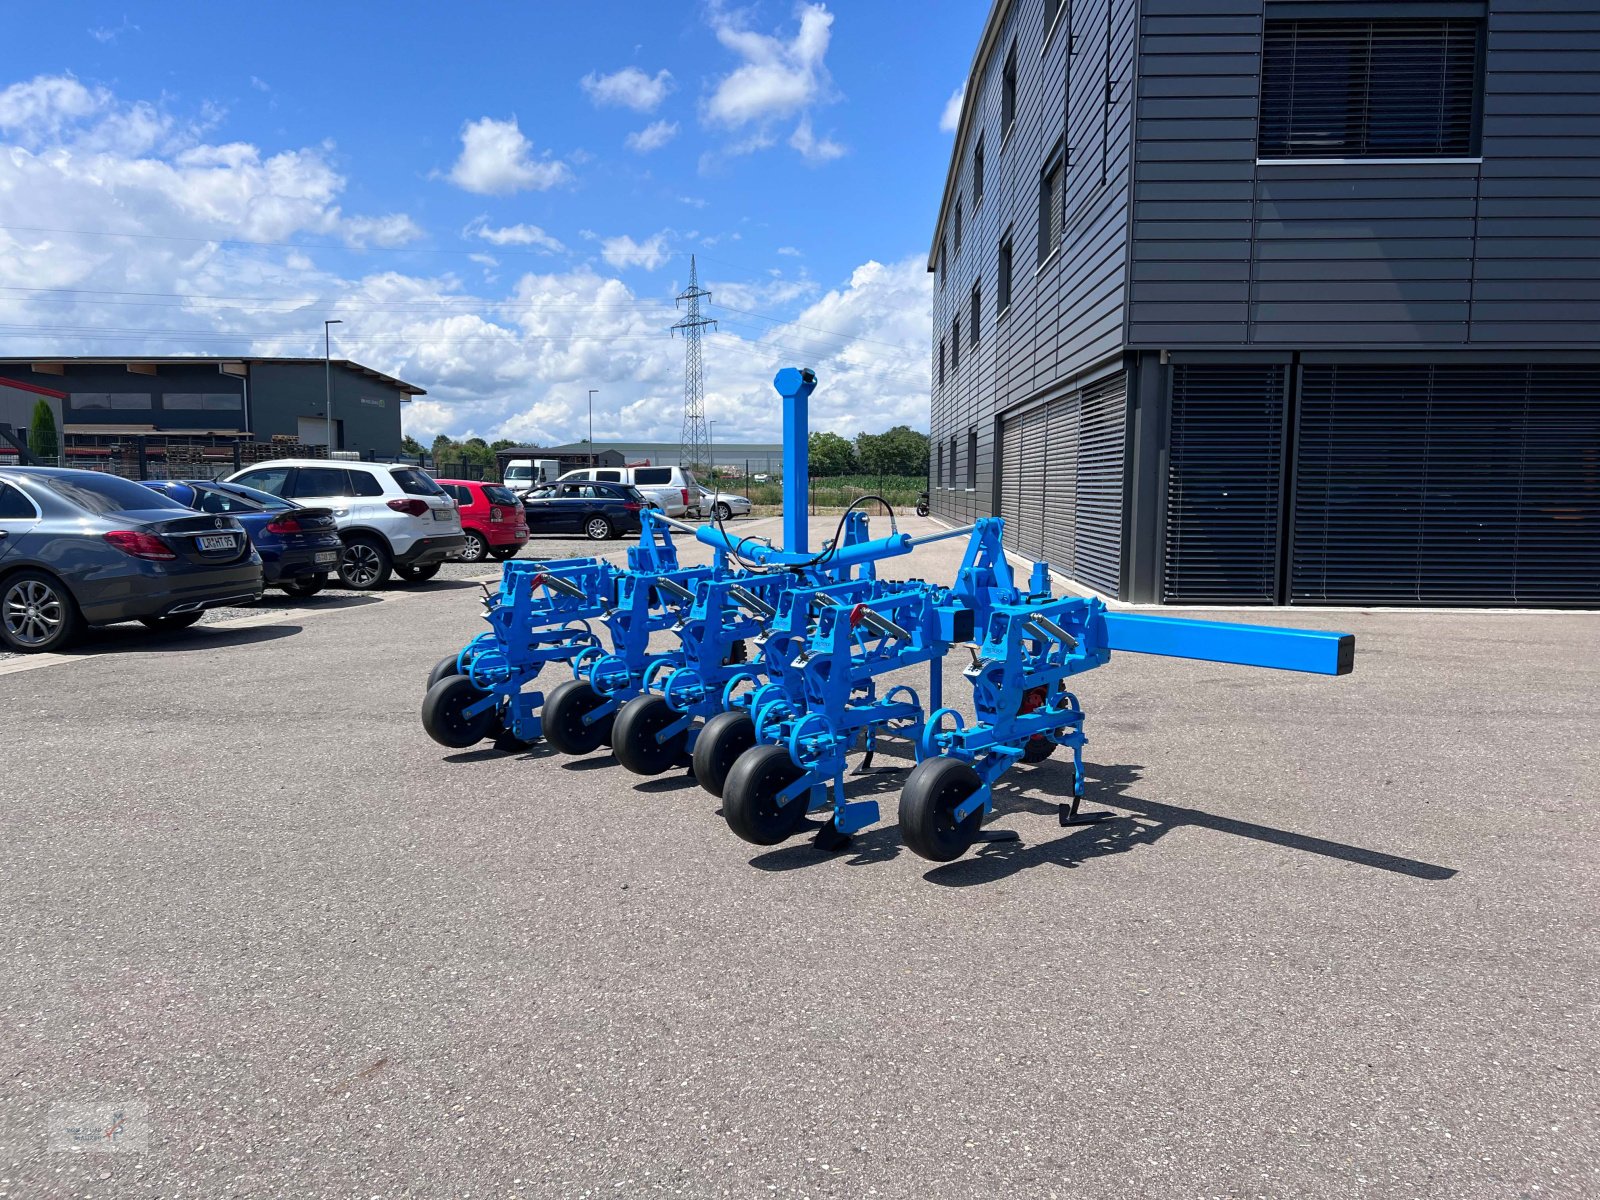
[[598, 528], [365, 564], [725, 737], [563, 718], [447, 666], [750, 796], [934, 790], [445, 718], [635, 741], [37, 614]]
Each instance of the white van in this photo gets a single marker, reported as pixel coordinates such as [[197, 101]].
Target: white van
[[524, 473], [674, 490]]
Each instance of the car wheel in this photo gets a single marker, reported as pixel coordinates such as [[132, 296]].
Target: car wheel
[[598, 529], [501, 553], [306, 585], [171, 622], [476, 549], [417, 574], [365, 564], [37, 613], [721, 511]]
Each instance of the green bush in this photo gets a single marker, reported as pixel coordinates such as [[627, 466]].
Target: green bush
[[42, 438]]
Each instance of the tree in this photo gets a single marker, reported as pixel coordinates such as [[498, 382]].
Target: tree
[[831, 455], [501, 444], [410, 445], [42, 431], [898, 451]]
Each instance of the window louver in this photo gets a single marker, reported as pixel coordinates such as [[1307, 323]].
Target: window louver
[[1470, 485], [1377, 89], [1224, 484]]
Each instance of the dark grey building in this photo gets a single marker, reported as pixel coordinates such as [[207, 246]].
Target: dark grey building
[[1296, 302], [224, 399]]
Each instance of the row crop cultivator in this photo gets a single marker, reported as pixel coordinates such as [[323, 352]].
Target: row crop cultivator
[[766, 668]]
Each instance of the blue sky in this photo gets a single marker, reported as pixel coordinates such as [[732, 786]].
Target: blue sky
[[498, 200]]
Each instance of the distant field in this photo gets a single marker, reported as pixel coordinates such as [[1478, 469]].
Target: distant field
[[901, 491]]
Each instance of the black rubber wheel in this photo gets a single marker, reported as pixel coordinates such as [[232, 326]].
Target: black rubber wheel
[[1037, 748], [365, 564], [171, 623], [444, 714], [444, 669], [563, 713], [501, 553], [633, 737], [721, 512], [725, 737], [37, 613], [749, 797], [418, 574], [933, 791], [306, 585], [598, 529], [477, 547]]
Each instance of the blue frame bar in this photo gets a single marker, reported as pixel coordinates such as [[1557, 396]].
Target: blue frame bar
[[1316, 651]]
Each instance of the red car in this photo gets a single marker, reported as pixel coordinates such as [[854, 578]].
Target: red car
[[491, 517]]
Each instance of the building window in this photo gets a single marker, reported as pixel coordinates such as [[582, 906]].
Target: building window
[[1008, 95], [958, 225], [1370, 89], [938, 480], [1051, 203], [955, 344], [1052, 14], [1003, 284], [977, 173], [977, 305], [952, 462], [109, 400], [203, 401], [941, 362], [972, 460]]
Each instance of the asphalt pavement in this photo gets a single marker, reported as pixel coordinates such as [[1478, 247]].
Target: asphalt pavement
[[264, 938]]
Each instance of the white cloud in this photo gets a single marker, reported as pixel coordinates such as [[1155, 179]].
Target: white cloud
[[260, 85], [652, 137], [496, 158], [790, 251], [776, 80], [621, 252], [238, 248], [512, 235], [628, 88], [811, 147], [950, 119], [46, 104]]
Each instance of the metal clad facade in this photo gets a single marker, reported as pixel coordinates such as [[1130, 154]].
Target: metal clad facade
[[1065, 313]]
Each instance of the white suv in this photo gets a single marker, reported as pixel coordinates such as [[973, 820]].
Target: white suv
[[671, 489], [391, 518]]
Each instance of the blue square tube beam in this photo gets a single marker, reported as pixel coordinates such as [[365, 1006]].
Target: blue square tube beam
[[1316, 651], [795, 385]]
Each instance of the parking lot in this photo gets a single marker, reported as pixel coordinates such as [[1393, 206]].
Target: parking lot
[[1338, 940]]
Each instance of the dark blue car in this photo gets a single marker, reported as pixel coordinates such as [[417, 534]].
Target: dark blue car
[[298, 546]]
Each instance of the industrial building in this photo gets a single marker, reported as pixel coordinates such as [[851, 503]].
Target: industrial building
[[192, 401], [1260, 301]]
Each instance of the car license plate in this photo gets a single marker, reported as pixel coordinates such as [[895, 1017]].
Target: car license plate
[[326, 556], [443, 514], [217, 542]]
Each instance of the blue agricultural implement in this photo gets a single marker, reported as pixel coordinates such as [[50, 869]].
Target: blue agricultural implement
[[770, 732]]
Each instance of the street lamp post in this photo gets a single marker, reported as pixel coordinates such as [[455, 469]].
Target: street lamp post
[[327, 372], [594, 459]]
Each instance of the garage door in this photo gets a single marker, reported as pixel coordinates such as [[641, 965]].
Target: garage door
[[1061, 469], [1447, 485]]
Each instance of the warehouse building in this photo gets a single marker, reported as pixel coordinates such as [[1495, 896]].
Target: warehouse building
[[1260, 301], [98, 401]]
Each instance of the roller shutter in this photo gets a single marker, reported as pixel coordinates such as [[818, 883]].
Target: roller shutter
[[1010, 476], [1447, 485], [1033, 496], [1097, 560], [1225, 484], [1061, 500]]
